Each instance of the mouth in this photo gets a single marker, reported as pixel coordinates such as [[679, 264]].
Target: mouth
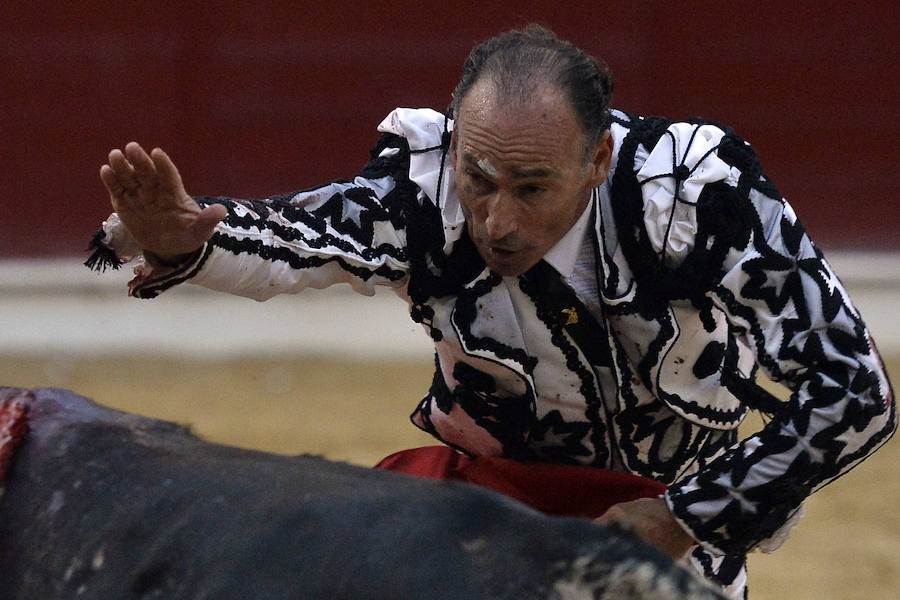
[[504, 260], [500, 253], [501, 249]]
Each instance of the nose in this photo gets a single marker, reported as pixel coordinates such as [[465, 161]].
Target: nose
[[500, 220]]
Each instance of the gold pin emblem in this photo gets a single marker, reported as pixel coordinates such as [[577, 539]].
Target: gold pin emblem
[[573, 315]]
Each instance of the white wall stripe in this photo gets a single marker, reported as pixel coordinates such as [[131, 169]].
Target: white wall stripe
[[58, 307]]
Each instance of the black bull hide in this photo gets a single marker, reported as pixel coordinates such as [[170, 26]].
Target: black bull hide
[[104, 504]]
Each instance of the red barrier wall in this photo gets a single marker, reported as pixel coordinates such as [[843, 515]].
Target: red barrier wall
[[257, 98]]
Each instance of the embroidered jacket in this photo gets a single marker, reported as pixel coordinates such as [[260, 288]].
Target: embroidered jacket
[[703, 273]]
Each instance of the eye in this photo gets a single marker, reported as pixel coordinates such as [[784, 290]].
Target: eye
[[479, 182], [531, 190]]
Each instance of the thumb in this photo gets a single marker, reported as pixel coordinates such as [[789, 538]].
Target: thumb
[[613, 514], [207, 220]]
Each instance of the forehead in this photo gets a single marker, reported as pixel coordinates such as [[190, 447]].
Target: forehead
[[540, 131]]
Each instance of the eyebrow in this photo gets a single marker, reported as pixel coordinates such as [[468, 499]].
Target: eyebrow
[[535, 173]]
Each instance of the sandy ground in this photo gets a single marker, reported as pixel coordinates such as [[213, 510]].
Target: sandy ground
[[846, 547]]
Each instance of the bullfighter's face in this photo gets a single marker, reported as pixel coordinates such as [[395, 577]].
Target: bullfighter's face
[[523, 174]]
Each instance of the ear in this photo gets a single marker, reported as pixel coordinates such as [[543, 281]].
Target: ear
[[601, 159], [452, 151]]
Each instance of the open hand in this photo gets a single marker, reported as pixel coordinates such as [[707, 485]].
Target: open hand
[[147, 193], [650, 519]]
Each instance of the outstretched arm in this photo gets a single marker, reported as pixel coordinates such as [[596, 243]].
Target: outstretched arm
[[348, 231], [147, 193]]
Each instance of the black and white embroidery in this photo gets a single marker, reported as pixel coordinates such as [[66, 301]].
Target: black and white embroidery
[[555, 439]]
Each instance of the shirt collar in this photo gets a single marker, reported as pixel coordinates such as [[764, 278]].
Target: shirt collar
[[563, 254]]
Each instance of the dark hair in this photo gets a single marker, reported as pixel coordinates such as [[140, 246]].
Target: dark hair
[[516, 60]]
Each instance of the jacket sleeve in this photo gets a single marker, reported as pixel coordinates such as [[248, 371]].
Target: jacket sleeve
[[783, 300], [344, 232]]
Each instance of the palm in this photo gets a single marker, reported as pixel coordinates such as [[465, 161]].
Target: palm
[[147, 193]]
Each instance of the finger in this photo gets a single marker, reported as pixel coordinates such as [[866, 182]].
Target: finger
[[115, 189], [144, 169], [123, 169], [166, 169], [111, 181]]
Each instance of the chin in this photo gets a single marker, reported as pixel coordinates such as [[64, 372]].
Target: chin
[[506, 271], [509, 269]]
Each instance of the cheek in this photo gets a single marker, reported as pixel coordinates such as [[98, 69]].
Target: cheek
[[471, 221], [548, 226], [469, 202], [465, 206], [545, 234]]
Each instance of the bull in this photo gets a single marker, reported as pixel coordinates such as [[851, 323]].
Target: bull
[[104, 504]]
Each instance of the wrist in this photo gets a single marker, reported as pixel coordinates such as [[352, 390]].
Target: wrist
[[173, 261]]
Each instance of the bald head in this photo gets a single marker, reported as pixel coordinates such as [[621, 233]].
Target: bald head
[[517, 65]]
